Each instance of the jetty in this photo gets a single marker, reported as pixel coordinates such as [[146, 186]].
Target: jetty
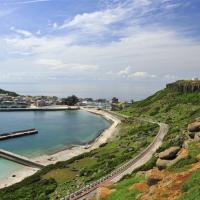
[[6, 136], [44, 108], [19, 159]]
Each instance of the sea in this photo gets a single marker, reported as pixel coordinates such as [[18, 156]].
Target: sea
[[57, 130]]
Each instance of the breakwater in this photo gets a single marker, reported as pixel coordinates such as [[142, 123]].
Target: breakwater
[[6, 136], [19, 159], [49, 108]]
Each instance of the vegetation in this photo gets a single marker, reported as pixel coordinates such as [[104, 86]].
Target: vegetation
[[171, 106], [71, 100], [8, 93], [191, 188], [123, 190], [176, 105]]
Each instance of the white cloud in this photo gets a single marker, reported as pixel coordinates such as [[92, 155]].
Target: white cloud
[[129, 74], [147, 53], [95, 22], [141, 75], [24, 33], [28, 1], [124, 72], [59, 65], [55, 25]]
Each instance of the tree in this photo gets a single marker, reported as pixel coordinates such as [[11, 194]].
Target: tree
[[115, 100], [71, 100]]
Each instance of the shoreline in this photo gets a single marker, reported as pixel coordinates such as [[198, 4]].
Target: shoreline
[[67, 153]]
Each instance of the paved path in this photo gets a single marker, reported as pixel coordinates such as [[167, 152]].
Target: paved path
[[127, 168]]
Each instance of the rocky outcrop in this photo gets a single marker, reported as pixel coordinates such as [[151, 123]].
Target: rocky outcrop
[[194, 127], [170, 153], [164, 163], [185, 86], [197, 136], [194, 130], [153, 176]]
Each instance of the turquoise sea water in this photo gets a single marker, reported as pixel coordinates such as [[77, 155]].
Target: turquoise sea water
[[57, 130]]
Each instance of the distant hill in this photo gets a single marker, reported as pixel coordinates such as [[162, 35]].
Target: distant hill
[[8, 92]]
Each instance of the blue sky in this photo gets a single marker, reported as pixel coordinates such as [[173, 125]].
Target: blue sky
[[98, 48]]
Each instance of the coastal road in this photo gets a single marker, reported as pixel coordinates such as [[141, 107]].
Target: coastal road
[[88, 192]]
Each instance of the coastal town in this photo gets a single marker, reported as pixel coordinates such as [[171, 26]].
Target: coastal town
[[15, 101]]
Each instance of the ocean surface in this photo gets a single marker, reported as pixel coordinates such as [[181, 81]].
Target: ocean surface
[[57, 130]]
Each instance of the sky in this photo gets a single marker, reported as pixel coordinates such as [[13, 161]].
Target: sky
[[98, 48]]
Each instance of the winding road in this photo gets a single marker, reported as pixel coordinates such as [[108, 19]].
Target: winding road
[[88, 191]]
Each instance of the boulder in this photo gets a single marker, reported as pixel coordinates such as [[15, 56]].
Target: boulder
[[162, 164], [153, 176], [194, 127], [191, 134], [197, 136], [169, 154]]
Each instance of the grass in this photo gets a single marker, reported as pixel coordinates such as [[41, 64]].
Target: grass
[[191, 188], [123, 191], [172, 107], [60, 175]]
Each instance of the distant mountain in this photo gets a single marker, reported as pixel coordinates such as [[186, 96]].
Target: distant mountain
[[8, 92]]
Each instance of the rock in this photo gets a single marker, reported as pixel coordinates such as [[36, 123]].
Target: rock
[[197, 136], [198, 157], [153, 176], [169, 154], [191, 134], [194, 127], [130, 149], [162, 164]]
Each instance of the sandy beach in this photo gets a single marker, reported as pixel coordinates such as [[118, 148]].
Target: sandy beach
[[65, 154]]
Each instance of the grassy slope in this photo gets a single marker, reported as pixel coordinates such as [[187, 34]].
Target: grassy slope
[[172, 107], [177, 109], [68, 176]]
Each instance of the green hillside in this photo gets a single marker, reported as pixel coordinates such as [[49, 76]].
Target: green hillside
[[174, 105], [177, 105], [8, 93]]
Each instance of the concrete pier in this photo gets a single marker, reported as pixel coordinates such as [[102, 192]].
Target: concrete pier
[[15, 134], [19, 159]]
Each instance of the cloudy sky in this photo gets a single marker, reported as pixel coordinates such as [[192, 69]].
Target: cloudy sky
[[98, 48]]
